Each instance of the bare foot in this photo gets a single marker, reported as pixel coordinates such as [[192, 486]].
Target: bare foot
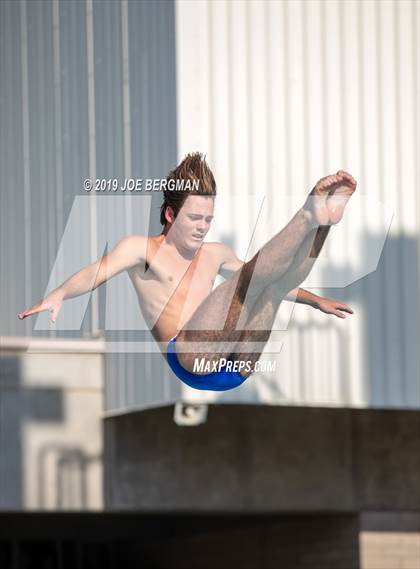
[[340, 195], [327, 200]]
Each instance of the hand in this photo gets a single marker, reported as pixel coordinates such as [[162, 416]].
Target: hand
[[331, 306], [52, 303]]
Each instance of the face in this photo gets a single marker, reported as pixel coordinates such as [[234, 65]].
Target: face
[[192, 222]]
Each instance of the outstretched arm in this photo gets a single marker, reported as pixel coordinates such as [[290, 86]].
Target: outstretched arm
[[326, 305], [126, 254]]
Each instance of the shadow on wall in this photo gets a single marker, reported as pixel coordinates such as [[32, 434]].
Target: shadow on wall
[[386, 305], [135, 379], [68, 472], [271, 384], [19, 406], [60, 468]]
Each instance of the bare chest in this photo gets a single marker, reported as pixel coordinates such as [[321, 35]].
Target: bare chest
[[170, 283]]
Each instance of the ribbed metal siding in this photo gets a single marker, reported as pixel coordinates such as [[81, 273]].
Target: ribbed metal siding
[[279, 94], [87, 89], [43, 144]]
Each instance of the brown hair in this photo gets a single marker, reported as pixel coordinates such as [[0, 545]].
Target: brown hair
[[194, 168]]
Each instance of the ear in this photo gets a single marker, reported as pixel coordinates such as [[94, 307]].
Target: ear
[[169, 214]]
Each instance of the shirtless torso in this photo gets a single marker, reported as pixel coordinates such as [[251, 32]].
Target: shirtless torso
[[170, 286]]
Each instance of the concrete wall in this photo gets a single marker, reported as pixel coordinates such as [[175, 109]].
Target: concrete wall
[[389, 541], [51, 402], [373, 540], [175, 541], [313, 542], [272, 459]]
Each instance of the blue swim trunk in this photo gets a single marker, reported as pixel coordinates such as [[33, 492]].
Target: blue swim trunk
[[215, 381]]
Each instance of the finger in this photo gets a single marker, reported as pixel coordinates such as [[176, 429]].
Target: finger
[[54, 313], [26, 313], [345, 308], [36, 309], [339, 314], [33, 310]]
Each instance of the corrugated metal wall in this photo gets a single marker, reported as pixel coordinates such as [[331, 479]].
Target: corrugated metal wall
[[277, 94], [280, 94], [87, 89]]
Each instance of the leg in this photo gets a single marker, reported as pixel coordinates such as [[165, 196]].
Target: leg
[[259, 320], [285, 259], [248, 327], [210, 325], [258, 327]]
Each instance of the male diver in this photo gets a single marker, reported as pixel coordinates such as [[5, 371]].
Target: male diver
[[173, 275]]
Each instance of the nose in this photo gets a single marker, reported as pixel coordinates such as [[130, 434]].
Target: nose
[[202, 226]]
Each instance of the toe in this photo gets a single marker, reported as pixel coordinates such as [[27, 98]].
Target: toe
[[347, 178], [346, 175]]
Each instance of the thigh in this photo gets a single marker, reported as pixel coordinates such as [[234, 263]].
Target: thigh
[[210, 319]]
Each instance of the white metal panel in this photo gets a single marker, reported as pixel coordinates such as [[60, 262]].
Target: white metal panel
[[279, 94]]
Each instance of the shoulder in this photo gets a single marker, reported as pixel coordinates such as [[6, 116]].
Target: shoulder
[[218, 250], [133, 246], [226, 258], [133, 241]]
